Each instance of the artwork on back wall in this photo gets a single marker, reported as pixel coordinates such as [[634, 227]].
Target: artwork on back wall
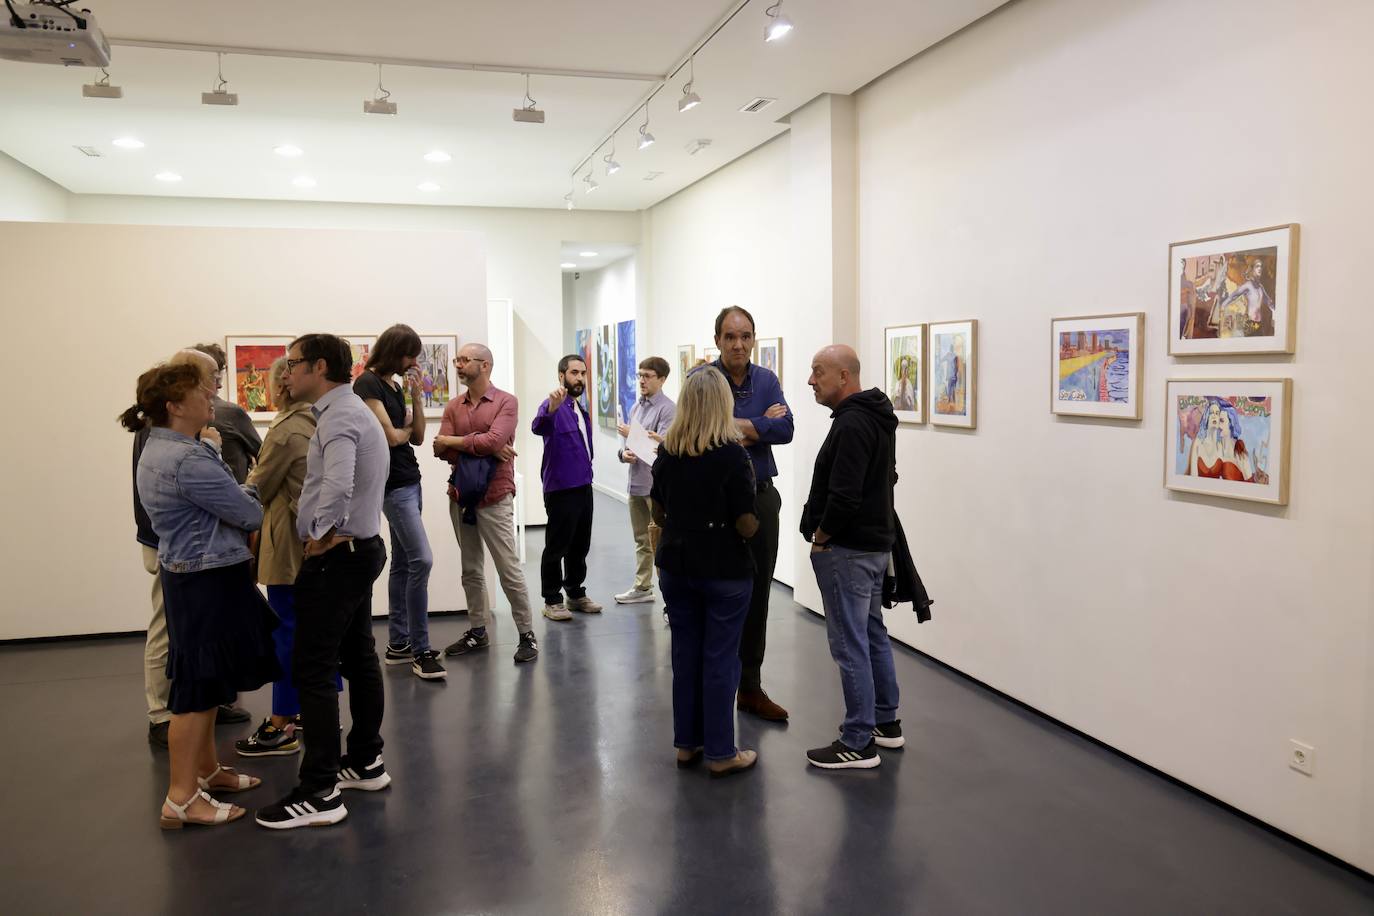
[[686, 359], [710, 354], [627, 386], [953, 373], [584, 347], [438, 379], [361, 345], [768, 354], [249, 362], [1095, 365], [1228, 437], [1234, 293], [605, 375], [904, 367]]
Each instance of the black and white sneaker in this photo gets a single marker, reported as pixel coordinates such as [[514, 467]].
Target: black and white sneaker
[[269, 741], [370, 778], [468, 642], [300, 809], [426, 666], [889, 734], [839, 756], [398, 655], [528, 649]]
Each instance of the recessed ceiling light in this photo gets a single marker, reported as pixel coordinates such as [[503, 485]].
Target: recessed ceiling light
[[167, 176], [586, 254], [427, 186], [567, 265], [437, 155], [129, 143], [303, 181], [287, 150]]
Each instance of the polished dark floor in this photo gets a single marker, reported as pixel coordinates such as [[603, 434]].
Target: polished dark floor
[[551, 788]]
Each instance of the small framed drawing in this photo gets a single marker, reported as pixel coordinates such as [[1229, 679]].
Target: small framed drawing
[[954, 373], [768, 354], [248, 367], [686, 359], [361, 345], [904, 368], [1095, 365], [1234, 294], [1228, 437], [438, 377], [710, 354]]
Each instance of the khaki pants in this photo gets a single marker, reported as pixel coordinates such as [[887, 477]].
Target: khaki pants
[[640, 519], [156, 687], [495, 529]]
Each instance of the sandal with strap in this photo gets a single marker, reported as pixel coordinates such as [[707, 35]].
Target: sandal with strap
[[245, 782], [224, 813]]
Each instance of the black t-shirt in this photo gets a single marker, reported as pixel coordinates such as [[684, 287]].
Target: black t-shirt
[[702, 497], [405, 470]]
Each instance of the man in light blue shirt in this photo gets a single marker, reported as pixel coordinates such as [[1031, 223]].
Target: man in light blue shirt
[[339, 519], [654, 411]]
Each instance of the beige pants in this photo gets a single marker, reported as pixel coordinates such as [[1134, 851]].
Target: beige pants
[[156, 687], [495, 529], [640, 519]]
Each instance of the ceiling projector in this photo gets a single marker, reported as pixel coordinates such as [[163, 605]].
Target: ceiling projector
[[40, 33]]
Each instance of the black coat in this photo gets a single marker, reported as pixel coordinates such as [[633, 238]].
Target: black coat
[[903, 583]]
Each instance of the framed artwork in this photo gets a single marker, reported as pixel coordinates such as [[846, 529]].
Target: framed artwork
[[438, 377], [710, 354], [248, 365], [605, 376], [768, 354], [1228, 437], [1234, 293], [686, 359], [953, 373], [627, 385], [584, 347], [1095, 365], [904, 367], [361, 345]]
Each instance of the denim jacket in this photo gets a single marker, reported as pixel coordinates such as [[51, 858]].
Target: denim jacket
[[199, 512]]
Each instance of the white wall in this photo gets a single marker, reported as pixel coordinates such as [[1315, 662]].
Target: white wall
[[27, 195], [1039, 164]]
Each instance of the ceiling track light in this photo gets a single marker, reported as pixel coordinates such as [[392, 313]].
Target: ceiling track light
[[219, 95], [527, 113], [778, 23], [611, 165], [689, 98], [568, 199], [646, 139], [101, 88], [381, 102], [589, 181]]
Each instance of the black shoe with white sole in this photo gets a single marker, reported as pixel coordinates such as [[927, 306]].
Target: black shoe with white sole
[[528, 650], [398, 655], [468, 642], [889, 734], [370, 778], [427, 667], [300, 809], [839, 756]]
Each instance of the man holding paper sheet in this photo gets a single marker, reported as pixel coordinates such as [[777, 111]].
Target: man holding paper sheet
[[649, 420]]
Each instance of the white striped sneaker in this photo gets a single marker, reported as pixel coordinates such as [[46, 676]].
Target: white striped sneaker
[[839, 756], [300, 809], [370, 778]]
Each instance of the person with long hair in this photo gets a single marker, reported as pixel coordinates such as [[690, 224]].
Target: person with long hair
[[703, 496], [397, 352], [219, 627]]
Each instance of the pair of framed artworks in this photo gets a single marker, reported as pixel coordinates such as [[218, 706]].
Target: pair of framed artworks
[[941, 387], [767, 353], [250, 359]]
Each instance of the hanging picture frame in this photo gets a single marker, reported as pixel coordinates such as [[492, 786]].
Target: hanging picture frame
[[686, 360], [1229, 437], [248, 364], [768, 354], [1234, 294], [1095, 365], [904, 371], [953, 375], [438, 375]]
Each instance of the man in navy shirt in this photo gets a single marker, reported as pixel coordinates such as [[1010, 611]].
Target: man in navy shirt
[[764, 420]]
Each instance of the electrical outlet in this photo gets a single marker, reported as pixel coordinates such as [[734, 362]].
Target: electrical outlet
[[1301, 757]]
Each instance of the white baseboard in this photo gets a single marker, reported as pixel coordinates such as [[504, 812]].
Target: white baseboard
[[614, 494]]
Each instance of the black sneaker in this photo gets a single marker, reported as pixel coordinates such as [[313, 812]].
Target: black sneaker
[[370, 778], [300, 809], [426, 666], [839, 756], [398, 655], [468, 642], [528, 649], [269, 741], [229, 714], [889, 734], [157, 734]]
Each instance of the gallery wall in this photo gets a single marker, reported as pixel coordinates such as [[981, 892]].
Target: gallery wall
[[27, 195], [1038, 165]]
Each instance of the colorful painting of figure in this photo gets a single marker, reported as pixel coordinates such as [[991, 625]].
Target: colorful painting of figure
[[584, 347], [1228, 437], [768, 354], [627, 385], [686, 360], [904, 361], [711, 354], [606, 405], [1233, 294], [361, 347], [438, 377], [1096, 365], [249, 361], [953, 371]]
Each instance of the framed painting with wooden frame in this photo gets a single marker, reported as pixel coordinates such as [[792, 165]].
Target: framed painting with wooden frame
[[1095, 363], [1229, 437], [248, 364], [768, 354], [438, 376], [1234, 294], [904, 371], [686, 359], [954, 373]]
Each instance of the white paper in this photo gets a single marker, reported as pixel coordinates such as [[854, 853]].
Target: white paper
[[638, 441]]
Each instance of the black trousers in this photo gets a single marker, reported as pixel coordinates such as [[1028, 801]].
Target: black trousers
[[567, 539], [764, 547], [334, 635]]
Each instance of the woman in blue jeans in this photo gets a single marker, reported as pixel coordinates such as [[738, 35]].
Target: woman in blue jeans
[[703, 498], [397, 352]]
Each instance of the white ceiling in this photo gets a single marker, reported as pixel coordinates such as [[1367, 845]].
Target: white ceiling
[[317, 105], [594, 255]]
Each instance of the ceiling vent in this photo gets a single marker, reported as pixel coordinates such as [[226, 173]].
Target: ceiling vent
[[650, 176], [697, 146], [757, 104], [88, 151]]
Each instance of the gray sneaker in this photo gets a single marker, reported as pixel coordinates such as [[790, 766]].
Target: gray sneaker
[[584, 605], [635, 596], [557, 612]]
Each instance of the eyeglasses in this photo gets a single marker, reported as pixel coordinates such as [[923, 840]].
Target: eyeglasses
[[291, 364], [464, 360], [648, 375]]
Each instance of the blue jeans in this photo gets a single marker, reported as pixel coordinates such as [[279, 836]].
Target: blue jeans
[[411, 560], [851, 583], [707, 618], [285, 700]]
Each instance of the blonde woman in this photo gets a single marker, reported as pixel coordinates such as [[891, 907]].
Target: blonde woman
[[703, 497]]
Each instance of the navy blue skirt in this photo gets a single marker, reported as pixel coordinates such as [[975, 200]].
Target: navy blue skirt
[[219, 627]]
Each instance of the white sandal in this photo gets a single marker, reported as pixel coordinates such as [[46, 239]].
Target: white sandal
[[224, 813], [245, 782]]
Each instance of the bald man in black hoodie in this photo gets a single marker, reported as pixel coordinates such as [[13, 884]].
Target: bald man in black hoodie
[[848, 519]]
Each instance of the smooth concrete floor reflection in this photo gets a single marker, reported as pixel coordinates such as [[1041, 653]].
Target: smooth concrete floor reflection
[[551, 788]]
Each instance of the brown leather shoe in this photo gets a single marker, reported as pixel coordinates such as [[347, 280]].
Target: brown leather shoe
[[757, 702]]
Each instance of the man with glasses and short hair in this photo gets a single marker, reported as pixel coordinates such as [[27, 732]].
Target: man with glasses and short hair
[[478, 425], [653, 411]]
